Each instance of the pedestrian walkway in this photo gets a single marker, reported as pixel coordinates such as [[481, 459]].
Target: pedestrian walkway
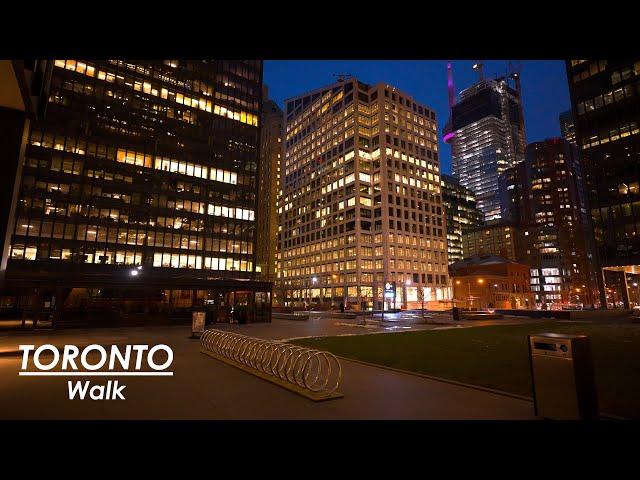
[[203, 388]]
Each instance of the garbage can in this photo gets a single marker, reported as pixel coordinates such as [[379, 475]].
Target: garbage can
[[562, 377]]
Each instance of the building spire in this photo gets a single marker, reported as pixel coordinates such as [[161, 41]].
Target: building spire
[[452, 95]]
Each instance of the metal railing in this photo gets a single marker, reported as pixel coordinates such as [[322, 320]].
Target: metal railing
[[314, 370]]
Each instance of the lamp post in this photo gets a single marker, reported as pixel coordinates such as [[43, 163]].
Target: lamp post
[[407, 283], [314, 280], [334, 277]]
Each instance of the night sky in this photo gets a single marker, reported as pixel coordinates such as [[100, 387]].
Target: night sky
[[544, 85]]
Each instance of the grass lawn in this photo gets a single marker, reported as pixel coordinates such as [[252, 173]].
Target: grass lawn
[[497, 357]]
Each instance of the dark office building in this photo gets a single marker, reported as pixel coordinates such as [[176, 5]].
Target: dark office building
[[272, 133], [138, 194], [606, 109], [23, 98], [544, 196], [462, 214], [567, 127]]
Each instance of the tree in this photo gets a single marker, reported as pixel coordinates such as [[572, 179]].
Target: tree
[[420, 291], [279, 293]]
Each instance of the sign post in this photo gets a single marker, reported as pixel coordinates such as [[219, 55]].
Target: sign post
[[197, 323], [389, 292]]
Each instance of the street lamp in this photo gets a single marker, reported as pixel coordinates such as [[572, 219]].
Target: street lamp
[[314, 280]]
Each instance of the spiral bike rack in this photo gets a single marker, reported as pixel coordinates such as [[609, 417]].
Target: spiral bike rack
[[315, 374]]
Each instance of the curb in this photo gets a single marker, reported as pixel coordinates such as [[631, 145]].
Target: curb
[[608, 416], [440, 379]]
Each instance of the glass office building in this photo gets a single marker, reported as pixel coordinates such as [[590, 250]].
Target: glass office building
[[567, 127], [486, 133], [605, 100], [462, 215], [138, 192]]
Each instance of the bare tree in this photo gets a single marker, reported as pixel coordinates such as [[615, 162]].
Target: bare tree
[[420, 291]]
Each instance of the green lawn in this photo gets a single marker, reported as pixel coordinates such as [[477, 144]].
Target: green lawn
[[497, 357]]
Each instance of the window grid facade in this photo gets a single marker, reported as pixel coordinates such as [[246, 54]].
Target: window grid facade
[[141, 163], [361, 201]]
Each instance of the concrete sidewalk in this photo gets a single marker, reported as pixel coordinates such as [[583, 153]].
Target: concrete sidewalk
[[203, 388]]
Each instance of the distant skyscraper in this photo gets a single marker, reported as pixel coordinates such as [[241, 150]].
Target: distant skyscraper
[[497, 237], [269, 184], [544, 197], [606, 107], [486, 133], [567, 127], [362, 203], [462, 214]]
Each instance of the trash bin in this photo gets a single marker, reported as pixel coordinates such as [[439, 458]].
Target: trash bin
[[562, 377], [456, 313]]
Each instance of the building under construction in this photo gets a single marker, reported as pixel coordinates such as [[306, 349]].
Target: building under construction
[[486, 134]]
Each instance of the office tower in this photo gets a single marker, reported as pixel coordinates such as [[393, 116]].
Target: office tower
[[23, 98], [362, 203], [486, 133], [545, 197], [138, 193], [462, 214], [606, 112], [269, 180], [567, 127], [497, 237]]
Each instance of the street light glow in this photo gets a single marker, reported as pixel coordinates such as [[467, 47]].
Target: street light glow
[[134, 273]]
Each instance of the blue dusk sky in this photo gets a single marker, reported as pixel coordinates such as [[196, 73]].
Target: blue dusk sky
[[544, 86]]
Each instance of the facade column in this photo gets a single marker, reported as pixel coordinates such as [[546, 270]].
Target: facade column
[[625, 291], [602, 287]]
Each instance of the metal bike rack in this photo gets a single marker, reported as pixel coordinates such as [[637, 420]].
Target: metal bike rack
[[313, 373]]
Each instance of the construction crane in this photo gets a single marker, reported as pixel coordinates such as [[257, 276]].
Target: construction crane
[[514, 73], [479, 66]]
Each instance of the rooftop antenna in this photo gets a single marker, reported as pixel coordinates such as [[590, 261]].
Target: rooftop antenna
[[342, 76], [478, 66]]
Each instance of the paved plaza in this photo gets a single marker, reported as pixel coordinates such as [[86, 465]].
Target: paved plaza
[[203, 388]]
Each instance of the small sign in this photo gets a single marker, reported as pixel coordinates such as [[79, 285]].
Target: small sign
[[390, 290], [197, 322]]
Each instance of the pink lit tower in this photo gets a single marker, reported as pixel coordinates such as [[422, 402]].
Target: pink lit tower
[[448, 132]]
